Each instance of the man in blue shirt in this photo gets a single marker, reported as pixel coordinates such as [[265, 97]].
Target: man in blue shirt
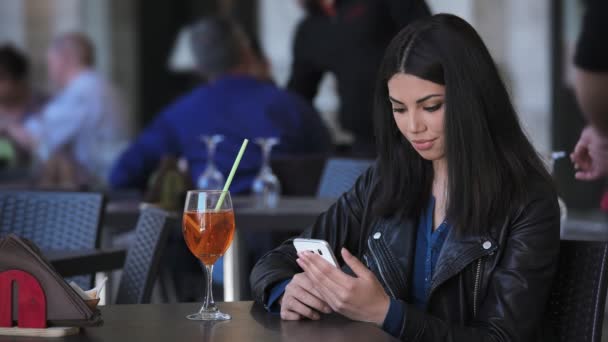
[[236, 103], [83, 124]]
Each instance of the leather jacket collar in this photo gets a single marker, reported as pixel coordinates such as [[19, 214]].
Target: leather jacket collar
[[391, 246]]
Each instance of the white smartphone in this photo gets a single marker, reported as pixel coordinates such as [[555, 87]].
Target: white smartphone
[[320, 247]]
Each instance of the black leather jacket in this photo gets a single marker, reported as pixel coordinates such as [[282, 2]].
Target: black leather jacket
[[492, 287]]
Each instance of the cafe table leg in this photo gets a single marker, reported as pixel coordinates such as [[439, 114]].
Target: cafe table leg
[[232, 281]]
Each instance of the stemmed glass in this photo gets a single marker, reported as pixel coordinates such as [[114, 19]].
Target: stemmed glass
[[208, 229], [211, 178], [266, 186]]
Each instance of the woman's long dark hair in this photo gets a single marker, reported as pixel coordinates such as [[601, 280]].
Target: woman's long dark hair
[[490, 160]]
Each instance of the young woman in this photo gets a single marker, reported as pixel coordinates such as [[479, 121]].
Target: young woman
[[454, 234]]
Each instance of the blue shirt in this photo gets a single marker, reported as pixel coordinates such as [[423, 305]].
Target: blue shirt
[[237, 107], [88, 117], [428, 246]]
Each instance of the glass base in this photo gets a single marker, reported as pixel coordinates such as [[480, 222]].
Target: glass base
[[209, 316]]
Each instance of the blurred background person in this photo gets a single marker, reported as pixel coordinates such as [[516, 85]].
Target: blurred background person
[[237, 102], [182, 59], [347, 38], [590, 155], [82, 126], [18, 100]]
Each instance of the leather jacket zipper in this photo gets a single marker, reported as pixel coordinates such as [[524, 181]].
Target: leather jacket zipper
[[380, 270], [477, 286]]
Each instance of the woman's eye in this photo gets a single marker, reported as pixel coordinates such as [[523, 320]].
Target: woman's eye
[[433, 108], [399, 110]]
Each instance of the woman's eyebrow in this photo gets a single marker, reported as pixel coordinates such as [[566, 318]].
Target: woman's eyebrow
[[395, 101], [427, 97]]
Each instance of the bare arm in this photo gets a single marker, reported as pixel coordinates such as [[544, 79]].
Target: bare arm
[[19, 135], [592, 94]]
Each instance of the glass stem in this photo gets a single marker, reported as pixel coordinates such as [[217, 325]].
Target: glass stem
[[210, 155], [208, 303], [265, 157]]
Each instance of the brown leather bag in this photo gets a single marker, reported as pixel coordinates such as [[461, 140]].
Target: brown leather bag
[[64, 306]]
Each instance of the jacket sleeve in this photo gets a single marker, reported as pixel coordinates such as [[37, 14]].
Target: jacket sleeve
[[340, 226], [518, 290], [141, 158]]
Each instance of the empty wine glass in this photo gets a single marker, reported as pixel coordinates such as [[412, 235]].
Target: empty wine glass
[[211, 178], [266, 186]]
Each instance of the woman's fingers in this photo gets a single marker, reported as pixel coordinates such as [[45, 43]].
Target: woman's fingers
[[307, 284], [300, 302], [332, 292], [289, 315], [323, 273], [293, 305], [354, 264], [312, 301]]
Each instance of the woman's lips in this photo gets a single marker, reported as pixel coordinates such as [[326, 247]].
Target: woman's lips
[[423, 145]]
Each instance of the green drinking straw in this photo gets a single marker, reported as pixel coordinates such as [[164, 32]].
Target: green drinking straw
[[231, 175]]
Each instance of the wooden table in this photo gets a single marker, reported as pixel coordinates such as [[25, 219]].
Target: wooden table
[[167, 322], [71, 263]]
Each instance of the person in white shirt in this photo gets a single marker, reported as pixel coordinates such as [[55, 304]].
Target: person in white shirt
[[84, 119]]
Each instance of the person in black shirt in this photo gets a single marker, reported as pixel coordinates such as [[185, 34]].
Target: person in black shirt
[[590, 155], [348, 38]]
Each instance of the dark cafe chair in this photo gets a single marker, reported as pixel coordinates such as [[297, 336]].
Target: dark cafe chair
[[317, 175], [299, 175], [54, 220], [576, 304], [143, 259]]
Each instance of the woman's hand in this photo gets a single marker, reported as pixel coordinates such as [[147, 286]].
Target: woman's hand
[[301, 299], [360, 298]]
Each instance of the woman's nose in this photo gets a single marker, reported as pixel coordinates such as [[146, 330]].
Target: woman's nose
[[414, 124]]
